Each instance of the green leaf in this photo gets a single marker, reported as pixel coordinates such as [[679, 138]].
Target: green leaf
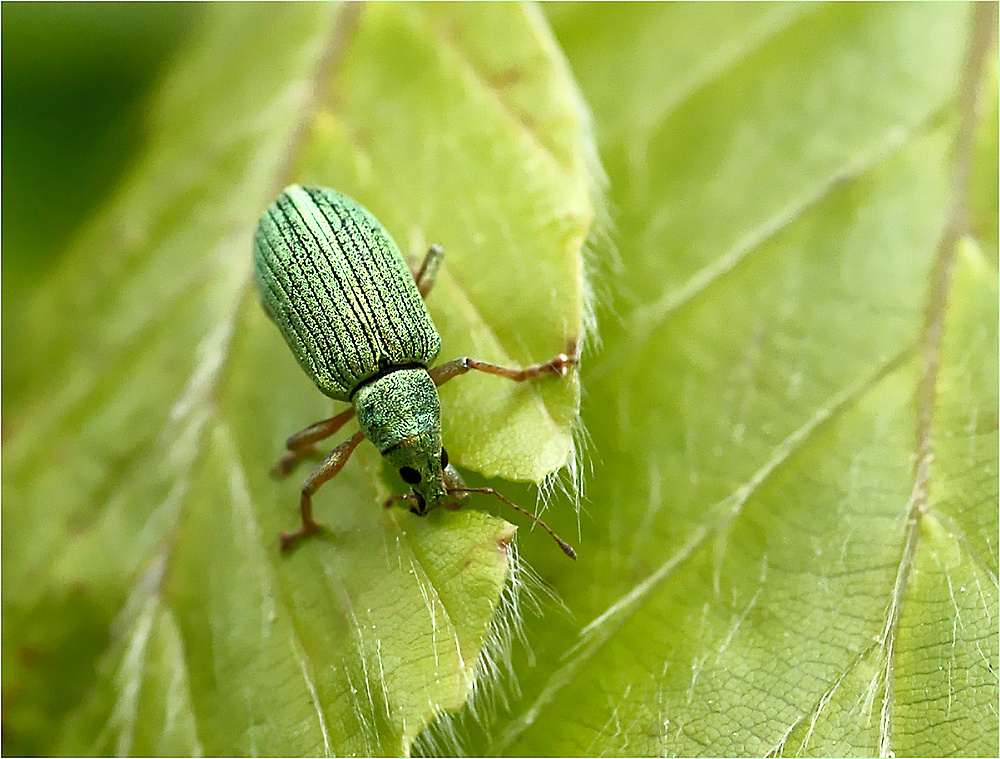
[[790, 542], [147, 609]]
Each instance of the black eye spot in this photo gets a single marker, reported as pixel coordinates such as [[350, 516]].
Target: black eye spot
[[410, 475], [444, 459]]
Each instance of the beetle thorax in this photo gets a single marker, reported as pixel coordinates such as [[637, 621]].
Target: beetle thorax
[[400, 413], [398, 406]]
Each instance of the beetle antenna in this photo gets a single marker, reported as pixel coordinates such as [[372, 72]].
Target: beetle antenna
[[567, 549]]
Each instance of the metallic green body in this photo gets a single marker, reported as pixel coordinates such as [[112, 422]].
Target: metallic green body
[[336, 285], [401, 415]]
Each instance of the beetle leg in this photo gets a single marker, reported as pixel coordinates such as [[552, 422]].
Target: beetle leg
[[416, 506], [558, 366], [327, 469], [455, 486], [301, 445], [427, 273], [567, 549]]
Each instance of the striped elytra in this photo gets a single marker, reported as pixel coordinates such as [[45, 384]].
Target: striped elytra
[[333, 280], [335, 283]]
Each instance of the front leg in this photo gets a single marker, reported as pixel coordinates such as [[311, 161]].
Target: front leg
[[327, 469], [558, 366], [427, 273], [302, 444], [417, 506]]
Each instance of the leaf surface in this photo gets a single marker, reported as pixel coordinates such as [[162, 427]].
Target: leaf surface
[[140, 525], [790, 541]]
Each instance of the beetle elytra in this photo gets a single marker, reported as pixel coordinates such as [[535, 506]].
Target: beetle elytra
[[333, 280]]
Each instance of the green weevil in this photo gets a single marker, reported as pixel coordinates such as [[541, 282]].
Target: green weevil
[[334, 281]]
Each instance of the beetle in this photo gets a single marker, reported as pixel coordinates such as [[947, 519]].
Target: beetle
[[336, 285]]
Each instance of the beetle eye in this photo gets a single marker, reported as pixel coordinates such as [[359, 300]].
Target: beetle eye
[[444, 459], [410, 475]]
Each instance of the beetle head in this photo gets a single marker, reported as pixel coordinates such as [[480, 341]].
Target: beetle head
[[400, 413], [423, 464]]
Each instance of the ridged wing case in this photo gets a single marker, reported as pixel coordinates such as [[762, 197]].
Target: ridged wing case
[[335, 283]]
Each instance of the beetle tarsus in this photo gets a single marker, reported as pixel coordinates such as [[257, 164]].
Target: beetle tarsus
[[426, 275], [559, 365], [287, 463], [291, 539], [396, 498]]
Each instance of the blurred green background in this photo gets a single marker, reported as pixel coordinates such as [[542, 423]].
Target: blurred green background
[[75, 81]]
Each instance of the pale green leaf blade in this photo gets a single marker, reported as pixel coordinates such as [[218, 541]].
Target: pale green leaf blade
[[527, 198], [164, 394], [760, 574]]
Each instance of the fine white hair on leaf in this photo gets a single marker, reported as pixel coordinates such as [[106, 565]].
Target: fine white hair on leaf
[[602, 265], [495, 681], [570, 480]]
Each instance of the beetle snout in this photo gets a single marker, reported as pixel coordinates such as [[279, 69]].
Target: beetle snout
[[431, 492], [419, 506]]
